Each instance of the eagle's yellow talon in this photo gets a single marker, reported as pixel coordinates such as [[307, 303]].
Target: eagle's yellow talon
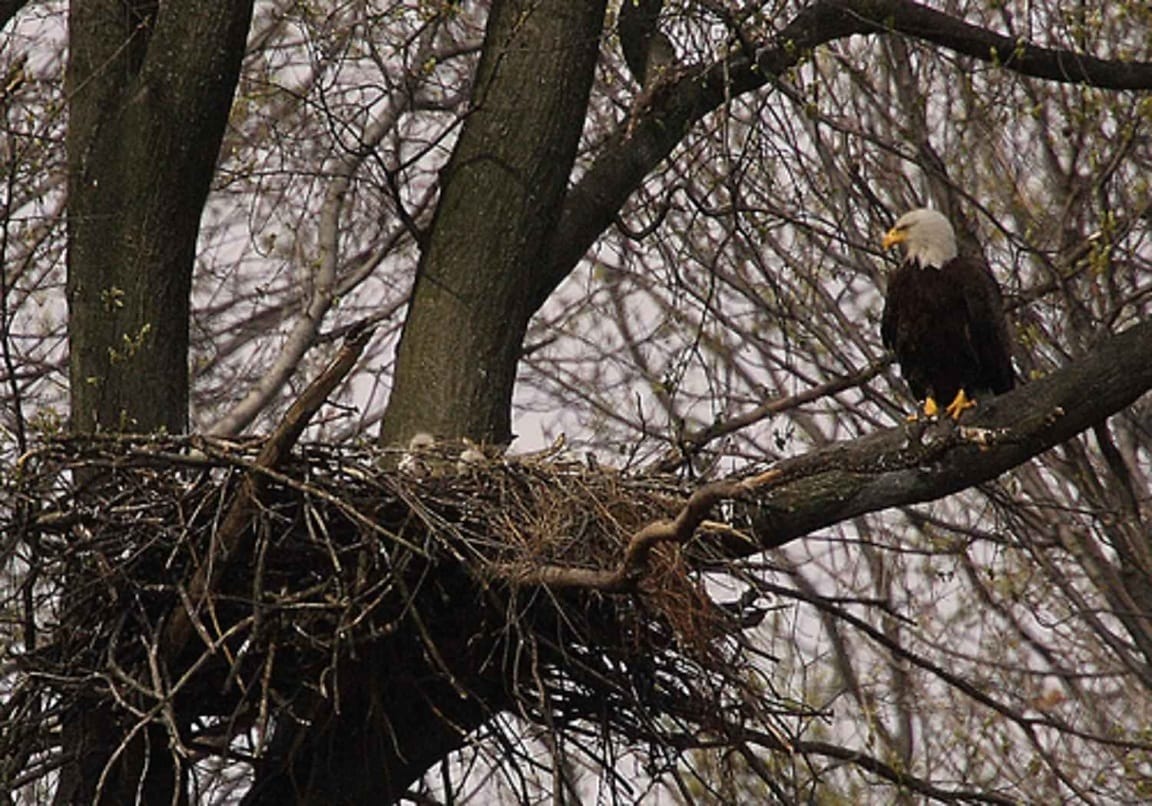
[[931, 411], [959, 405]]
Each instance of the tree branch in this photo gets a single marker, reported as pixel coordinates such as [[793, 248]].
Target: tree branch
[[694, 441], [233, 536], [897, 776], [323, 276], [1017, 55], [905, 465], [635, 25], [8, 10], [635, 561], [653, 132], [891, 468], [875, 766]]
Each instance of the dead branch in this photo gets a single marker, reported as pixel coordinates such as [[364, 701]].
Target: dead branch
[[694, 441], [625, 577]]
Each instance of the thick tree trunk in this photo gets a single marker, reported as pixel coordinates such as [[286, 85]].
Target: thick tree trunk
[[500, 200], [149, 93]]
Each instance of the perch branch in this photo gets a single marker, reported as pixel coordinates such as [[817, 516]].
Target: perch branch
[[905, 465], [901, 466]]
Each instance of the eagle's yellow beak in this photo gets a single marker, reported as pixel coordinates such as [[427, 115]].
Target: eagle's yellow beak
[[894, 236]]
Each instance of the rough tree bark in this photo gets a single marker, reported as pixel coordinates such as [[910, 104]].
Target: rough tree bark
[[500, 199], [149, 92]]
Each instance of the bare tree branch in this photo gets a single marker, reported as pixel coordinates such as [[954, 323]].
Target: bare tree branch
[[324, 276], [654, 131], [694, 441], [891, 468], [897, 467], [233, 536], [880, 768], [1017, 55], [635, 561], [9, 9]]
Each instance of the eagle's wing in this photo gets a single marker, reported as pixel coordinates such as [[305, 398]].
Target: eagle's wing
[[987, 323], [889, 322]]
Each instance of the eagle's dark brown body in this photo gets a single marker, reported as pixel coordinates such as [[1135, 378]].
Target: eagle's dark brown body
[[947, 328]]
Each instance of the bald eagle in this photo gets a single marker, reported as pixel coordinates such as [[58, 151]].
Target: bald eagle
[[944, 318]]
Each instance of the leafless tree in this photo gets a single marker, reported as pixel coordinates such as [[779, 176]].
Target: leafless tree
[[640, 241]]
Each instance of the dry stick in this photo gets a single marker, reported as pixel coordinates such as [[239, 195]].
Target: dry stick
[[233, 536], [694, 441], [635, 561]]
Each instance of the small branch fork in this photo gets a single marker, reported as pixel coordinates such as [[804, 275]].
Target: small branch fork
[[694, 441]]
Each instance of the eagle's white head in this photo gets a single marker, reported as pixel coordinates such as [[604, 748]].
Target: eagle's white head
[[926, 235]]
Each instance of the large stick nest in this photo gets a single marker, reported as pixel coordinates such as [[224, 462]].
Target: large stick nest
[[345, 548]]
